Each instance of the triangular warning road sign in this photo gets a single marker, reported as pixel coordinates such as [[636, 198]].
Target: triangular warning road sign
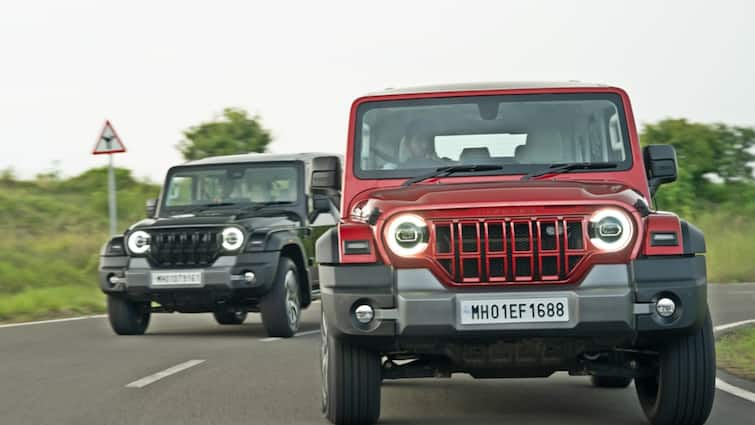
[[108, 142]]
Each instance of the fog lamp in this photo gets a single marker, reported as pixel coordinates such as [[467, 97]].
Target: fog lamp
[[249, 277], [666, 307], [364, 313]]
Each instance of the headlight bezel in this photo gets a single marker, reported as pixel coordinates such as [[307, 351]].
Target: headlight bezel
[[133, 242], [407, 248], [230, 232], [603, 232]]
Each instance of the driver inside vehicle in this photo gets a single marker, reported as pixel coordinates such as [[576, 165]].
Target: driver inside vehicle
[[419, 146]]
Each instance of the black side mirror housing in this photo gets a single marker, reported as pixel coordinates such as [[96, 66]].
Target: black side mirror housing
[[320, 204], [326, 174], [151, 207], [660, 165]]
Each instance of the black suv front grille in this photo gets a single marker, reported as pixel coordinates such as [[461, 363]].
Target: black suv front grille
[[184, 248]]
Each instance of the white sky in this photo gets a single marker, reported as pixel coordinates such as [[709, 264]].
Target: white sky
[[155, 68]]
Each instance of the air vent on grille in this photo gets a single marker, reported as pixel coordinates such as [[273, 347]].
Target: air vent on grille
[[509, 250], [182, 248]]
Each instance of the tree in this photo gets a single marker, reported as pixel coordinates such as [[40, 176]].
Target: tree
[[715, 161], [234, 133]]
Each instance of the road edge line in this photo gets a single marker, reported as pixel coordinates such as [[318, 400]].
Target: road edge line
[[723, 385], [44, 322]]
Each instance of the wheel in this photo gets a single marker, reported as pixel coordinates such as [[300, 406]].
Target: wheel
[[230, 317], [281, 307], [610, 381], [682, 392], [128, 317], [350, 381]]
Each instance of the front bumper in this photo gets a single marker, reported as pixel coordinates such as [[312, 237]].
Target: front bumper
[[612, 301], [222, 281]]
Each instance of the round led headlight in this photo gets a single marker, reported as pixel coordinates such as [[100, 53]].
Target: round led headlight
[[407, 235], [610, 230], [138, 242], [233, 238]]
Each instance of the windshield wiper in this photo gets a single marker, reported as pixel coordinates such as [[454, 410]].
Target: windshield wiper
[[207, 207], [272, 207], [567, 167], [447, 171], [218, 204]]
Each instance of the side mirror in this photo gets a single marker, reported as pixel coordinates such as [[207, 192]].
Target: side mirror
[[660, 164], [326, 174], [151, 207], [320, 204]]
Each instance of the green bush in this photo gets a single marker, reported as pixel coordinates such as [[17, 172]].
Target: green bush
[[52, 233], [730, 242], [52, 229]]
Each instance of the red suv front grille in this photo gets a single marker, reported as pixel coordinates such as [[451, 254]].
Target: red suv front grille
[[509, 250]]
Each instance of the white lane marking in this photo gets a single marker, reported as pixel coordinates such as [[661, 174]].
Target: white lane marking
[[720, 328], [731, 389], [725, 386], [141, 383], [276, 338], [42, 322]]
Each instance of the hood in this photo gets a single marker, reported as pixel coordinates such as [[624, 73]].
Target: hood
[[221, 219], [501, 194]]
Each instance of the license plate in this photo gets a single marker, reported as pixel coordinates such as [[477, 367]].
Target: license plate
[[520, 310], [177, 278]]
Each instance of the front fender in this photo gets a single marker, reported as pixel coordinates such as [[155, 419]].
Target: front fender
[[287, 242], [693, 240]]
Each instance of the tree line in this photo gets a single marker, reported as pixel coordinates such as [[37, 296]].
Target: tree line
[[715, 160]]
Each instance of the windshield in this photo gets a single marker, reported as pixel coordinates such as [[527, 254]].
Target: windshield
[[521, 133], [238, 184]]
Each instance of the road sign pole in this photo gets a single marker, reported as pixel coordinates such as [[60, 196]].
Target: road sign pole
[[108, 144], [111, 197]]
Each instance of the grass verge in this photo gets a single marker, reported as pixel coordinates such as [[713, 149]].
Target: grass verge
[[735, 352], [46, 303], [730, 243]]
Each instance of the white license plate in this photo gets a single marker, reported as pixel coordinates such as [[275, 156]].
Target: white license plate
[[177, 278], [519, 310]]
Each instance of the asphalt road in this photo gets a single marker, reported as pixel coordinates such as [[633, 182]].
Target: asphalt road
[[77, 373]]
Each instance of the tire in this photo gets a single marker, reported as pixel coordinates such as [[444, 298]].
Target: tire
[[350, 381], [281, 307], [610, 381], [230, 317], [128, 317], [682, 392]]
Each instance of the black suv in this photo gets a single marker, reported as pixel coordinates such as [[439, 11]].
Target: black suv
[[228, 235]]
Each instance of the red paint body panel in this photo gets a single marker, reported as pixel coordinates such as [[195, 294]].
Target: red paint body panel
[[500, 202], [635, 177]]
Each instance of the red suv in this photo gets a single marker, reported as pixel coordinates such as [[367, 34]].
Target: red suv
[[507, 230]]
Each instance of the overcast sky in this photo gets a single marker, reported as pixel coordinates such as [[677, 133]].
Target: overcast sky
[[155, 68]]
